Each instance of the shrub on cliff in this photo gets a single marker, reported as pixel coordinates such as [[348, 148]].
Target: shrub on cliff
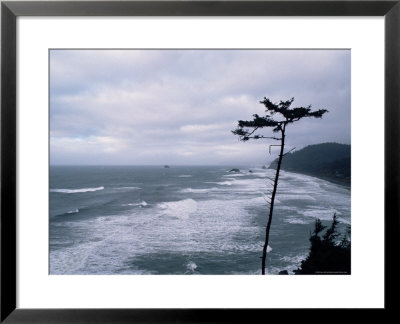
[[327, 255]]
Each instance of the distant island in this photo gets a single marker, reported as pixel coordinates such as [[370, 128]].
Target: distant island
[[329, 161]]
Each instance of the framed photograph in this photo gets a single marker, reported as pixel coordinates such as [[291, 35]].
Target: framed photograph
[[186, 161]]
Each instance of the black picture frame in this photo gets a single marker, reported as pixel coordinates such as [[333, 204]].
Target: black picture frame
[[10, 10]]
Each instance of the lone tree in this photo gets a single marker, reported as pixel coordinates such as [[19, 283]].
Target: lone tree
[[283, 116]]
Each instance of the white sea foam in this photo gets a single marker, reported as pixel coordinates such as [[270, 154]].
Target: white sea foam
[[254, 183], [290, 208], [191, 190], [127, 188], [223, 183], [180, 209], [296, 221], [249, 247], [345, 221], [73, 211], [234, 175], [69, 191], [293, 261], [191, 266], [321, 213], [260, 200], [141, 204], [104, 218], [297, 197]]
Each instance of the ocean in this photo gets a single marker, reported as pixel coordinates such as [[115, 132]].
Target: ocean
[[184, 219]]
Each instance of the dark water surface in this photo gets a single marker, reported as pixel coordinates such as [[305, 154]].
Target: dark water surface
[[183, 219]]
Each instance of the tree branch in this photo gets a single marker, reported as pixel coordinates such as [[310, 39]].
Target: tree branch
[[261, 136], [289, 151]]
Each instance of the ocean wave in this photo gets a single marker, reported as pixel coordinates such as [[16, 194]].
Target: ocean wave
[[234, 175], [296, 221], [141, 204], [260, 200], [127, 188], [253, 183], [293, 261], [68, 213], [223, 183], [244, 247], [205, 190], [297, 197], [321, 213], [344, 221], [191, 266], [69, 191], [184, 176], [180, 209]]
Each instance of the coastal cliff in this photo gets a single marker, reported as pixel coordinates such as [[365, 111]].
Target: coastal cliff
[[330, 161]]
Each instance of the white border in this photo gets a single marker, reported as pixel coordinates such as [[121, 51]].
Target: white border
[[365, 37]]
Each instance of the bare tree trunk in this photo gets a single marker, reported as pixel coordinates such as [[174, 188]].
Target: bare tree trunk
[[271, 207]]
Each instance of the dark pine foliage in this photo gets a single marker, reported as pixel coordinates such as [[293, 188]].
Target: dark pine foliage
[[327, 255], [286, 115]]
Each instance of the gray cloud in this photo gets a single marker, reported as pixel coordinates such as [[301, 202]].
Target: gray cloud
[[179, 106]]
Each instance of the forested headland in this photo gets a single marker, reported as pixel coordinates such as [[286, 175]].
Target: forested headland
[[330, 161]]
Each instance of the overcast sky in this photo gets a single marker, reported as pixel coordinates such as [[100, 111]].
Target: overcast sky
[[179, 106]]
